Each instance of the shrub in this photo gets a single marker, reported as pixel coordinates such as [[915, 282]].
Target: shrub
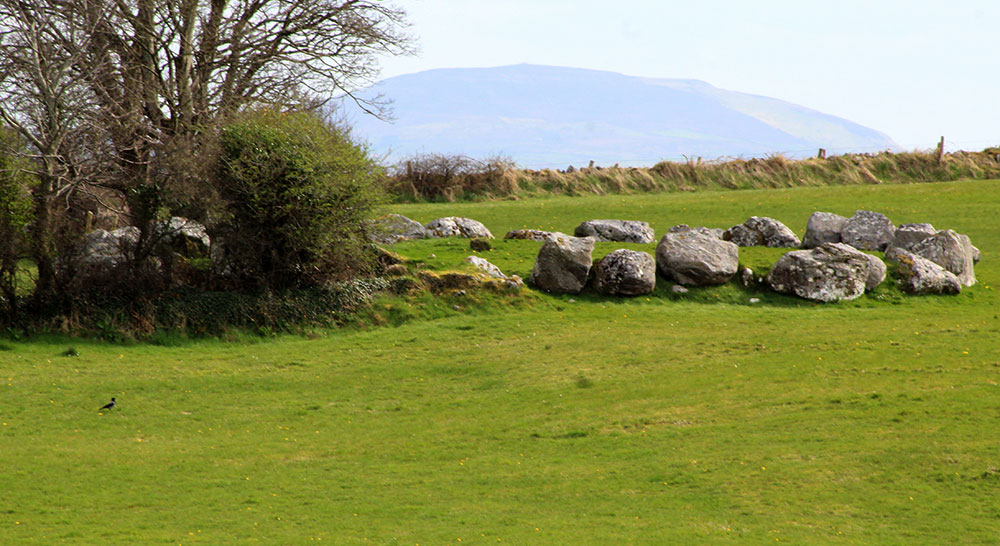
[[15, 213], [298, 192]]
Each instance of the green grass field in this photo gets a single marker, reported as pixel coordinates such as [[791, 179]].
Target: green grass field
[[660, 420]]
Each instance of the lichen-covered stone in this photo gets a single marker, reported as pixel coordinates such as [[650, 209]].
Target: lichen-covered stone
[[697, 259]]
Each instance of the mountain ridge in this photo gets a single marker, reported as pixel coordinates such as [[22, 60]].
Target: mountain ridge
[[545, 116]]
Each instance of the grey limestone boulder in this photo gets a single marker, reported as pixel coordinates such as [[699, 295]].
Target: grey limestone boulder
[[625, 273], [876, 271], [486, 267], [868, 230], [457, 226], [908, 235], [695, 258], [393, 228], [102, 250], [622, 231], [563, 264], [529, 234], [184, 236], [762, 231], [919, 275], [827, 273], [950, 250], [713, 232], [823, 227]]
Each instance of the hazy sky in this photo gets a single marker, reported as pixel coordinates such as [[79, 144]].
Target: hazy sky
[[913, 69]]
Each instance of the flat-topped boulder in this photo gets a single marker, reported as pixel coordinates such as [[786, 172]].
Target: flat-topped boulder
[[868, 230], [393, 228], [625, 272], [457, 226], [921, 276], [695, 258], [563, 264], [621, 231], [762, 231], [950, 250], [827, 273], [823, 227]]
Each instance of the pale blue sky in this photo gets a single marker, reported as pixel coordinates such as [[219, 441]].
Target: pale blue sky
[[914, 69]]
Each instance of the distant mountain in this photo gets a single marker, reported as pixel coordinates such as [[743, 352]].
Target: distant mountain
[[546, 116]]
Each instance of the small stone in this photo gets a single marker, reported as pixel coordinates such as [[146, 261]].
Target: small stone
[[480, 245], [678, 289], [754, 300]]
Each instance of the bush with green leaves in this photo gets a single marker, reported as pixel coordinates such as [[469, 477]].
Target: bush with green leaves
[[299, 192]]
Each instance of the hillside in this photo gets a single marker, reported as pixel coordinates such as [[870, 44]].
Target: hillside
[[545, 116]]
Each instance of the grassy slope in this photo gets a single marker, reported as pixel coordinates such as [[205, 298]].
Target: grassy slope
[[589, 422]]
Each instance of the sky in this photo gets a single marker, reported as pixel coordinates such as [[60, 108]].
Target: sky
[[916, 70]]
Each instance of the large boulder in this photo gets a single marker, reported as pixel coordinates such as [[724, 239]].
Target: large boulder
[[456, 226], [183, 236], [563, 264], [868, 230], [919, 275], [713, 232], [695, 258], [621, 231], [101, 250], [829, 272], [823, 227], [762, 231], [908, 235], [393, 228], [950, 250], [625, 273]]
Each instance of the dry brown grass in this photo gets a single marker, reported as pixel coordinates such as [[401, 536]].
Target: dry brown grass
[[449, 178]]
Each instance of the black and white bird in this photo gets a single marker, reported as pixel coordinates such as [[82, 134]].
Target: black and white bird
[[109, 405]]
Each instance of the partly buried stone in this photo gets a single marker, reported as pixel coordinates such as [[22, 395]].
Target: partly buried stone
[[621, 231], [625, 273], [823, 227], [868, 230], [529, 234], [712, 232], [563, 264], [480, 245], [908, 235], [456, 226], [762, 231], [393, 228], [829, 272], [950, 250], [919, 275], [695, 258], [486, 267]]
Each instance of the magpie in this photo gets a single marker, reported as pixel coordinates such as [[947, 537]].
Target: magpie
[[109, 405]]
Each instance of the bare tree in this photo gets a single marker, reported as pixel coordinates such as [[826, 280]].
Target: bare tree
[[44, 97]]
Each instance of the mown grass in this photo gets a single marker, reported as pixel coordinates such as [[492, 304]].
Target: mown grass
[[660, 420]]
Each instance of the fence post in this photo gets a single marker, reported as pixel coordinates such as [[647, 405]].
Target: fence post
[[821, 154], [940, 151]]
